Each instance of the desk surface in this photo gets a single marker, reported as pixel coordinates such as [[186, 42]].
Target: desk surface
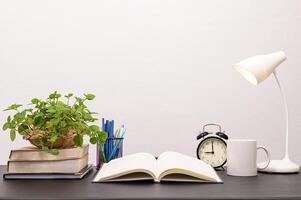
[[263, 186]]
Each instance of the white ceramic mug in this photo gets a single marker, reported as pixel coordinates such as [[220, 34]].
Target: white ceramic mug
[[242, 157]]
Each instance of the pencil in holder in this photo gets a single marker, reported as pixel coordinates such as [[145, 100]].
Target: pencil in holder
[[111, 149]]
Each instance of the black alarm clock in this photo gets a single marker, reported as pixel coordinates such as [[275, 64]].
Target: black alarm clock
[[213, 147]]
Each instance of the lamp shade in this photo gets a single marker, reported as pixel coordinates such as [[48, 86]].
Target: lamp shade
[[257, 68]]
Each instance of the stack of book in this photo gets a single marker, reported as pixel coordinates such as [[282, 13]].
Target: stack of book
[[34, 163]]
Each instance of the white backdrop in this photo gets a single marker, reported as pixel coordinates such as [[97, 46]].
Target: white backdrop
[[162, 68]]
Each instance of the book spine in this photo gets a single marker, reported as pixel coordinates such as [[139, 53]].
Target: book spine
[[10, 155]]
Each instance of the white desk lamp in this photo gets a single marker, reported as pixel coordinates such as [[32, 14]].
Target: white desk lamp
[[256, 69]]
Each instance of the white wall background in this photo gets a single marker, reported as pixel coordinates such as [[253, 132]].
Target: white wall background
[[163, 68]]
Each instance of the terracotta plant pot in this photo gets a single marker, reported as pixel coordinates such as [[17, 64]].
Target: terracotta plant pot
[[63, 141]]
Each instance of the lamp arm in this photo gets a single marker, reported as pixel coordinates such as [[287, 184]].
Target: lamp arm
[[286, 156]]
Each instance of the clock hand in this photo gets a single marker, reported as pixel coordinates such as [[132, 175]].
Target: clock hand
[[212, 146]]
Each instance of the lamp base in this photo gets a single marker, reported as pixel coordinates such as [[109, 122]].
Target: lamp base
[[281, 166]]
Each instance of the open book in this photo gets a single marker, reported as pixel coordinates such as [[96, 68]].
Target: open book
[[169, 166]]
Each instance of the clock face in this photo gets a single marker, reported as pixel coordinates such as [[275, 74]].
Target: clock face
[[212, 150]]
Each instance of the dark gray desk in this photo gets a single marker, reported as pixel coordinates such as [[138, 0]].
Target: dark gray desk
[[263, 186]]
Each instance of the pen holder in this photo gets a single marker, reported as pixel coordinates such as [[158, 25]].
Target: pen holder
[[111, 149]]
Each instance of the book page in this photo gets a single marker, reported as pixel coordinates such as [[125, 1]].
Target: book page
[[131, 164], [175, 163]]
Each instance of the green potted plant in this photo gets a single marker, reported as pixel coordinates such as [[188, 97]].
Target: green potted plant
[[52, 124]]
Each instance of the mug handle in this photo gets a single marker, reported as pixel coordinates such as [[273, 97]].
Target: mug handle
[[268, 157]]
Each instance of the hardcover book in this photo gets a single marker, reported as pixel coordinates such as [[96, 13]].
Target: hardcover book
[[77, 175], [47, 166], [169, 166], [34, 153]]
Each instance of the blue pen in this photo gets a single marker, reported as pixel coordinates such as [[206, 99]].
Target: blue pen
[[117, 135], [112, 135], [106, 143], [110, 139], [122, 131], [117, 145]]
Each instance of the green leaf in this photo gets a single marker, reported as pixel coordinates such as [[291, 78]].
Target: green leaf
[[92, 113], [22, 128], [35, 101], [54, 95], [79, 100], [38, 142], [57, 129], [93, 119], [53, 151], [78, 140], [94, 128], [93, 140], [63, 124], [13, 107], [37, 120], [51, 110], [13, 124], [6, 126], [82, 127], [12, 134], [53, 138], [28, 110], [8, 119], [30, 120], [19, 117], [89, 96], [69, 95], [102, 136]]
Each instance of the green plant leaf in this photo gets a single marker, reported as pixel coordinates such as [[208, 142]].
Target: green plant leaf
[[51, 110], [63, 123], [53, 151], [29, 120], [8, 119], [6, 126], [79, 100], [38, 142], [12, 134], [69, 95], [53, 138], [57, 129], [54, 95], [94, 128], [35, 101], [37, 120], [87, 117], [22, 128], [13, 107], [28, 110], [19, 117], [89, 96], [93, 140], [78, 140], [102, 136]]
